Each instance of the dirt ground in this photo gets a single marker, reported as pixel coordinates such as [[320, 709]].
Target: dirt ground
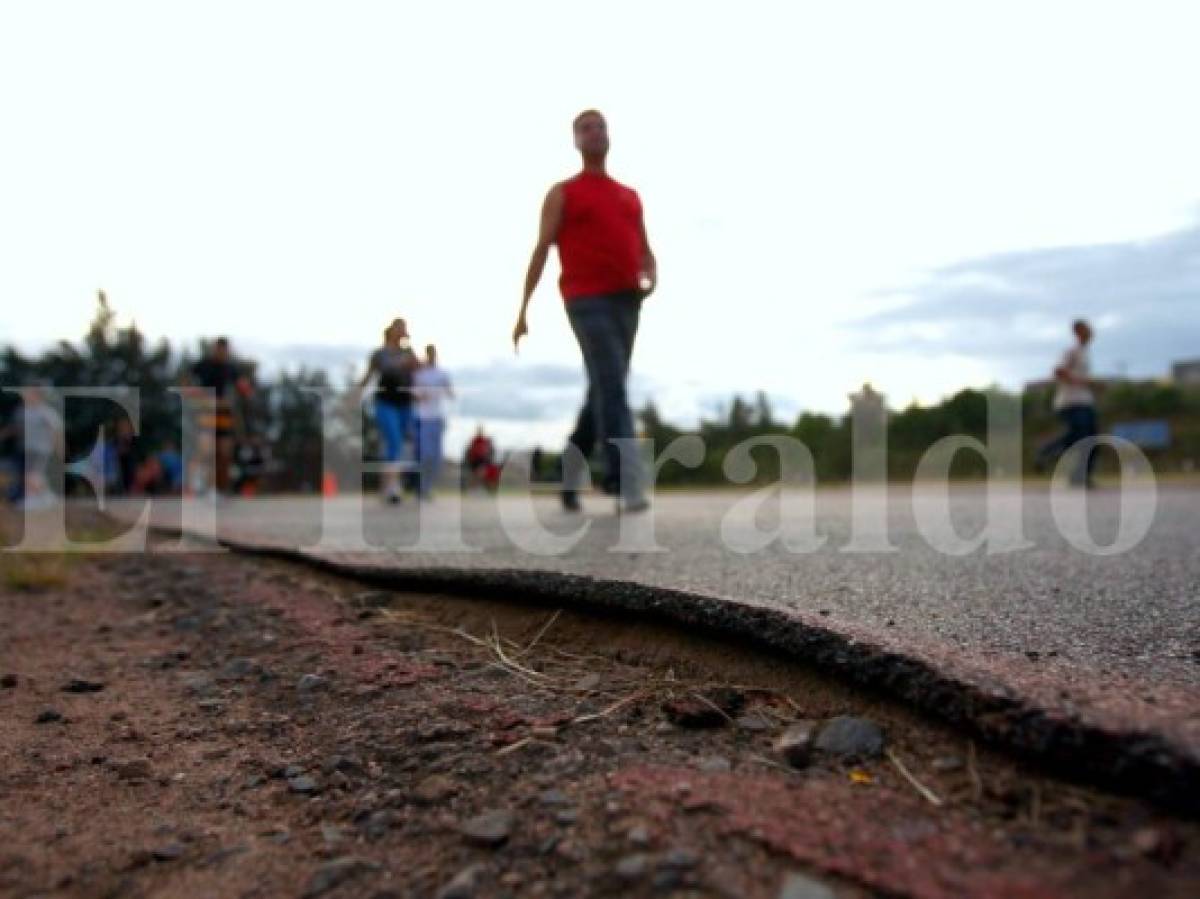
[[209, 724]]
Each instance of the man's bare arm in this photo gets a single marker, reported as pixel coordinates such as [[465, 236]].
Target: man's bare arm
[[649, 263], [552, 211]]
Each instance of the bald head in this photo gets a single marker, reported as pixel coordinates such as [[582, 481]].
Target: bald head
[[591, 134]]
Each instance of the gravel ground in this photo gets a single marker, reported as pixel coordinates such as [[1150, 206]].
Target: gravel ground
[[1071, 642], [210, 724]]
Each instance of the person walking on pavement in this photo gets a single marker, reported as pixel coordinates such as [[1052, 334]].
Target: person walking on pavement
[[1075, 403], [432, 388], [608, 269], [393, 365], [215, 382], [41, 429]]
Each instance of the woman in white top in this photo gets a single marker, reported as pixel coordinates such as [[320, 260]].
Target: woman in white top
[[432, 388]]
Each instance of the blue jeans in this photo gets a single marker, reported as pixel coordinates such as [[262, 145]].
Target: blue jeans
[[605, 327], [393, 423], [1080, 424], [429, 451]]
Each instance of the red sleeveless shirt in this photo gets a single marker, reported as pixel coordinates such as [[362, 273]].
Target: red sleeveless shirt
[[600, 237]]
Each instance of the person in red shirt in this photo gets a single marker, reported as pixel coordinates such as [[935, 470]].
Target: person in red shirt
[[480, 461], [608, 269]]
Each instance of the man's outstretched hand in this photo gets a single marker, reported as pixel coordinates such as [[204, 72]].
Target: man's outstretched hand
[[520, 329]]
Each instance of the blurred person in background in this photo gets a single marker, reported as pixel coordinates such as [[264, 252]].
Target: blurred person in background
[[125, 458], [171, 463], [216, 382], [392, 367], [432, 389], [12, 464], [479, 462], [1075, 404], [41, 434]]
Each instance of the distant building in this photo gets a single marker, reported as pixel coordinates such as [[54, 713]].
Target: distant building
[[1186, 372]]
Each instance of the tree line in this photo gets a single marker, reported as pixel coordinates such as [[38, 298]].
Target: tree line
[[284, 411]]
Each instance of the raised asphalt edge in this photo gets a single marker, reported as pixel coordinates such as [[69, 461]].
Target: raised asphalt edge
[[1137, 763]]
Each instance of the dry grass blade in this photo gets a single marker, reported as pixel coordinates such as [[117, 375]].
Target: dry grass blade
[[762, 759], [604, 713], [498, 649], [506, 660], [513, 747], [712, 705], [577, 657], [518, 675], [494, 647], [927, 793], [973, 771], [409, 618], [541, 633]]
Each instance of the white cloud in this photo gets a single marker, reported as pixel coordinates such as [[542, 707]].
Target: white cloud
[[297, 174]]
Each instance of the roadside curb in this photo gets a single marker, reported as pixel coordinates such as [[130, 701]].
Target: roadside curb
[[1143, 764]]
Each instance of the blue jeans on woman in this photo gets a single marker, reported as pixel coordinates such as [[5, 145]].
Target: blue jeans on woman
[[605, 327], [394, 423]]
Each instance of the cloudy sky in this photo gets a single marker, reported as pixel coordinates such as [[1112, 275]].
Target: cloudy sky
[[921, 195]]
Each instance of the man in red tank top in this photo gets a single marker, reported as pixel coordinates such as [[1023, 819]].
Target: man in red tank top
[[607, 270]]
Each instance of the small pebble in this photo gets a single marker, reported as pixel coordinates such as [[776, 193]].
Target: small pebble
[[850, 737], [752, 723], [310, 682], [679, 859], [633, 867], [333, 874], [800, 886], [78, 685], [554, 798], [639, 835], [490, 829], [168, 853], [304, 785], [464, 885], [795, 744]]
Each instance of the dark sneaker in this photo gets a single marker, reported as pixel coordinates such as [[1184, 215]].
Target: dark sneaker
[[570, 501]]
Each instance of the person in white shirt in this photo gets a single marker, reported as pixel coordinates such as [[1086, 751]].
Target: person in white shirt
[[1075, 403], [42, 430], [432, 388]]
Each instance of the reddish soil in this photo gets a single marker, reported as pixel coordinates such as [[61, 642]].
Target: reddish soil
[[249, 728]]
